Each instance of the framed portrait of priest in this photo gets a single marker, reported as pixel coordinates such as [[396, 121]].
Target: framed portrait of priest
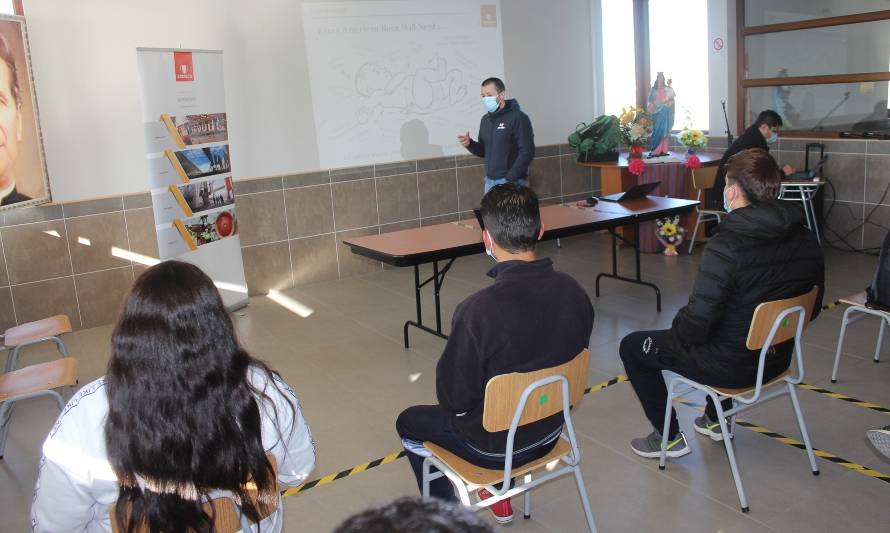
[[23, 177]]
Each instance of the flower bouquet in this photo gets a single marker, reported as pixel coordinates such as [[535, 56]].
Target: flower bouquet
[[692, 139], [670, 234], [635, 125]]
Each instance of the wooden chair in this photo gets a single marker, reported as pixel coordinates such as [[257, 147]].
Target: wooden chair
[[773, 323], [227, 517], [702, 179], [47, 329], [32, 381], [857, 305], [506, 408]]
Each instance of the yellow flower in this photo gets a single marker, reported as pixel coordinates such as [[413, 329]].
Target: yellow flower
[[668, 229]]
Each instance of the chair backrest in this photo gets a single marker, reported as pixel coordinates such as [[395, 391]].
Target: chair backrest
[[502, 394], [226, 516], [704, 177], [766, 314]]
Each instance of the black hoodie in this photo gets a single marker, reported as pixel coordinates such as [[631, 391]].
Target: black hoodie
[[760, 253], [507, 143]]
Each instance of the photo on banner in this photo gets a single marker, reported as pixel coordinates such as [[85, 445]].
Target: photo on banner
[[23, 177], [206, 229]]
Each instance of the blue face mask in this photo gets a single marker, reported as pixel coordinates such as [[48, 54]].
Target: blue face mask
[[772, 138], [490, 103]]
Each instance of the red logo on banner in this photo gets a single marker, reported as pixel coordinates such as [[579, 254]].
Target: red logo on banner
[[182, 62]]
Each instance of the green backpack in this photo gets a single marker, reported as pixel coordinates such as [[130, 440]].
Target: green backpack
[[596, 141]]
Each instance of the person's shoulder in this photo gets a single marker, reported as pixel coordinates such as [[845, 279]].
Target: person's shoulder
[[86, 408]]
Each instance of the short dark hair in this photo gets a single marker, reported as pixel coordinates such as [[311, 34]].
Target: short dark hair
[[8, 58], [512, 217], [770, 118], [757, 173], [415, 515], [498, 84]]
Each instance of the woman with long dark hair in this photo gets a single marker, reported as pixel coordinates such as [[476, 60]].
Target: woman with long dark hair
[[183, 414]]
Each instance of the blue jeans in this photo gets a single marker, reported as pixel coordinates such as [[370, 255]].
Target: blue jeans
[[489, 183]]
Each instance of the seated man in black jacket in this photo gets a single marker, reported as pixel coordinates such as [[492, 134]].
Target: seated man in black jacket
[[761, 252], [530, 318]]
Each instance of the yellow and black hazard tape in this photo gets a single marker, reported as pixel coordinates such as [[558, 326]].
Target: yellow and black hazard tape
[[844, 397], [358, 469], [345, 473], [864, 470], [832, 305], [794, 443]]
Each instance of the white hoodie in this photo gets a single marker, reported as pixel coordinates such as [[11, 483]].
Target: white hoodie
[[76, 485]]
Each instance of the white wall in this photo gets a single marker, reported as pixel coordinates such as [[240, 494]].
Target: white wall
[[721, 66], [84, 57]]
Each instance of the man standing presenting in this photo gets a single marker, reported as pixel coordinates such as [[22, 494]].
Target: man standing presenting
[[506, 139]]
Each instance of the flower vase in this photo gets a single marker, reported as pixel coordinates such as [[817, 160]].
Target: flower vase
[[636, 151], [670, 250]]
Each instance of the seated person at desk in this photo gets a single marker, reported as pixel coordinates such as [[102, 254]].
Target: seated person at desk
[[761, 252], [532, 317], [761, 134]]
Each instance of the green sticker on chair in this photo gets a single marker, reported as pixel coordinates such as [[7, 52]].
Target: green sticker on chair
[[784, 322], [542, 399]]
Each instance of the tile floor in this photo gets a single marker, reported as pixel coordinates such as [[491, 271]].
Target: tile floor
[[347, 363]]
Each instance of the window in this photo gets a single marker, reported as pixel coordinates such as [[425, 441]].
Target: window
[[619, 78], [6, 7], [676, 43]]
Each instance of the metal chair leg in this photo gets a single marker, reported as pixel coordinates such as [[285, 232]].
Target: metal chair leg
[[880, 340], [582, 492], [5, 419], [694, 233], [527, 511], [795, 404], [840, 343], [666, 428], [730, 454]]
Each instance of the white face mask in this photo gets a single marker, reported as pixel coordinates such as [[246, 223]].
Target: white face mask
[[488, 251], [727, 204]]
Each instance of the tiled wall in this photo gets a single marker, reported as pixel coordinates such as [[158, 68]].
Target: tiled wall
[[292, 227], [859, 172], [57, 259]]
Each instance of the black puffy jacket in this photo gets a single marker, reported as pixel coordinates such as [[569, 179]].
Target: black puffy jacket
[[760, 253]]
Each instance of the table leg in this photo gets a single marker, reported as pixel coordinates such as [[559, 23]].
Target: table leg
[[438, 279], [614, 274]]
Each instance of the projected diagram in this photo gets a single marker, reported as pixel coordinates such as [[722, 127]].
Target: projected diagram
[[391, 83], [423, 92]]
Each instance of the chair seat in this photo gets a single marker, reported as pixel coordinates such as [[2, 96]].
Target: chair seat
[[39, 377], [717, 212], [746, 390], [858, 299], [30, 331], [479, 476]]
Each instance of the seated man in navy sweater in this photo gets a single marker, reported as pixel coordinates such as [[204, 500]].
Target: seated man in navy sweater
[[530, 318]]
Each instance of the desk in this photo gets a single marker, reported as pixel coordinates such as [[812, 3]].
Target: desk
[[615, 177], [803, 191], [446, 242]]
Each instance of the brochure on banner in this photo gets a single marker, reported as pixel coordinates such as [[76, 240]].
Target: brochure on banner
[[190, 172]]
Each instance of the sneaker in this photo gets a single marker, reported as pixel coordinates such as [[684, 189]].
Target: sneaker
[[880, 438], [705, 426], [502, 511], [650, 447]]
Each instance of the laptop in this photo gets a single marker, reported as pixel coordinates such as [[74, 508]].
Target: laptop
[[637, 191], [807, 175], [478, 213]]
